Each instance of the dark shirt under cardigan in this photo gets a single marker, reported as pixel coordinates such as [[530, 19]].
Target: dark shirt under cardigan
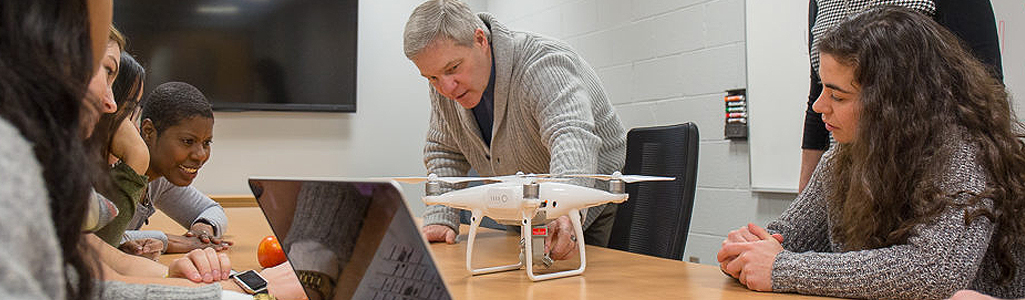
[[484, 112]]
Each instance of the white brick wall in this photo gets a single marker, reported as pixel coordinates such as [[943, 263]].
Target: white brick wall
[[668, 62]]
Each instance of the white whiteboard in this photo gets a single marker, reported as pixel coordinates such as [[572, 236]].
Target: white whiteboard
[[777, 90], [1010, 15], [777, 82]]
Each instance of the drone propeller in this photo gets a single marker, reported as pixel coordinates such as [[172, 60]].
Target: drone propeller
[[520, 175], [624, 178], [452, 180]]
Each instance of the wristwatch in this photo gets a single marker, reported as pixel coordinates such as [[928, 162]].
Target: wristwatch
[[317, 281], [250, 281]]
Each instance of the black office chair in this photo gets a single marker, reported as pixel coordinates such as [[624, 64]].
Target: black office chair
[[656, 218]]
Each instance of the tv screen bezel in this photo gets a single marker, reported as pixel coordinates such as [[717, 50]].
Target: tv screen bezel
[[349, 105]]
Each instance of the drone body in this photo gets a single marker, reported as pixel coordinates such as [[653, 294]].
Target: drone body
[[506, 202], [529, 201]]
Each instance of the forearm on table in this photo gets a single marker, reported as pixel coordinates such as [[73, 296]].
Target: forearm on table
[[574, 150], [131, 235], [939, 258], [123, 263], [442, 215], [112, 275], [443, 160]]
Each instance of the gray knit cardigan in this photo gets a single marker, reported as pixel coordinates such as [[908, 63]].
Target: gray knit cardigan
[[551, 116], [940, 257]]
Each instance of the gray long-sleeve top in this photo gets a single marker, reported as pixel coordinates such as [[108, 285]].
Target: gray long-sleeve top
[[941, 256], [31, 264], [30, 267], [184, 204], [551, 116]]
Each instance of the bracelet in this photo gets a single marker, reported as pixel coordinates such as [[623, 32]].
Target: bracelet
[[263, 296], [317, 281]]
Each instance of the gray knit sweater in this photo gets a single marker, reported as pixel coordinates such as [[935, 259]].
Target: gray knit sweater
[[31, 261], [551, 116], [30, 264], [940, 257]]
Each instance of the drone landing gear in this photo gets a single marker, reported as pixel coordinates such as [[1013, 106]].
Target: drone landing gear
[[477, 215], [526, 258], [574, 217]]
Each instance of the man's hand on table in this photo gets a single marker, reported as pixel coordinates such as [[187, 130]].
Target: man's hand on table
[[561, 242], [439, 233]]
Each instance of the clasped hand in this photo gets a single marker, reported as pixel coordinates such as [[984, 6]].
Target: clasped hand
[[149, 247], [205, 233], [748, 254], [199, 236]]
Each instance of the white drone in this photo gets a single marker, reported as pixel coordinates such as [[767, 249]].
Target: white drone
[[530, 201]]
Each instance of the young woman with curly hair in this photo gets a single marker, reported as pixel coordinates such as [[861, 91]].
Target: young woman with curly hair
[[922, 197]]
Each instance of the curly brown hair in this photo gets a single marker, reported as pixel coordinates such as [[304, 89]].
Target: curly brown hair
[[918, 83]]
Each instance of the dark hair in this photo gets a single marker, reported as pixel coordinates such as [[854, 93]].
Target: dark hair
[[45, 67], [127, 88], [918, 84], [173, 102]]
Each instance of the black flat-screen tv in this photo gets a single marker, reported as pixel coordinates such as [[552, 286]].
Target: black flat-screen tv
[[281, 55]]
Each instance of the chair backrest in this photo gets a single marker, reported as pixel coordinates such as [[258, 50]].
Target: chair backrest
[[656, 218]]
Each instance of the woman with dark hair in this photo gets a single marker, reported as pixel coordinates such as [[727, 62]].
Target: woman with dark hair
[[46, 60], [125, 151], [971, 21], [128, 148], [127, 91], [46, 169], [924, 194]]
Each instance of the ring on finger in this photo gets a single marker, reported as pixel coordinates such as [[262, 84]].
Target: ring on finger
[[573, 238]]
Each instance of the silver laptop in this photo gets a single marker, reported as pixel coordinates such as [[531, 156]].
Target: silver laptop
[[358, 232]]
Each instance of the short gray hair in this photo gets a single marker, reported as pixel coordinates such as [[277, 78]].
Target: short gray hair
[[451, 19]]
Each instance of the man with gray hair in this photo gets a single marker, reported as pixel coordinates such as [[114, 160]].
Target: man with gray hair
[[504, 101]]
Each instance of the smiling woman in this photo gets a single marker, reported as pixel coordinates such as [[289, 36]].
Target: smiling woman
[[177, 126]]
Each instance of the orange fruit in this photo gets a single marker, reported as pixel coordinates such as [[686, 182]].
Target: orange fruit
[[269, 253]]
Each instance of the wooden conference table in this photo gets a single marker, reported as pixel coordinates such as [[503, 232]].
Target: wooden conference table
[[610, 274]]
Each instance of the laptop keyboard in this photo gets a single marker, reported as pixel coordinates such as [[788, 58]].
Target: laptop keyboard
[[406, 275]]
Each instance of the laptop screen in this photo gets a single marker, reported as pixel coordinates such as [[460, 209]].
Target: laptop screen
[[358, 233]]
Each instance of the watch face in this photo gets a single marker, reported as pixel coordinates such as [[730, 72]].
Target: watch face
[[252, 280]]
